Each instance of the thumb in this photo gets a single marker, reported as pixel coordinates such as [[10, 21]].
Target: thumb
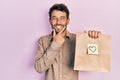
[[54, 33]]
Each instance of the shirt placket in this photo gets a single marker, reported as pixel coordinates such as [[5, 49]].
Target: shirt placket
[[61, 52]]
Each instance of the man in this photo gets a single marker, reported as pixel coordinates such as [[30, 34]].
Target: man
[[56, 51]]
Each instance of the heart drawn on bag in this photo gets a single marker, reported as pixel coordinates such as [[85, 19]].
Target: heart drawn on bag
[[92, 48]]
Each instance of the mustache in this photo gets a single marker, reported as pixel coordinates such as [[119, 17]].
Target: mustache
[[58, 25]]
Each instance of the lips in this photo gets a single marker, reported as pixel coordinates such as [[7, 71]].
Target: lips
[[58, 26]]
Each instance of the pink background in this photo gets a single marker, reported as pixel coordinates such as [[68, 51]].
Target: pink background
[[22, 22]]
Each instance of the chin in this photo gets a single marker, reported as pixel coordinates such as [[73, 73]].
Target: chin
[[57, 31]]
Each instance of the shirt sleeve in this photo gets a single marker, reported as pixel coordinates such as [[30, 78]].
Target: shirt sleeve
[[44, 58]]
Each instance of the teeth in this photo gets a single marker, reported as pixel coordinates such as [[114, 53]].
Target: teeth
[[59, 27]]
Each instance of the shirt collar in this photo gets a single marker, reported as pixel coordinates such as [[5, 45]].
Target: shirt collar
[[68, 35]]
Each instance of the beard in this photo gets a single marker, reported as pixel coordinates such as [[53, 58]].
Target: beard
[[59, 27]]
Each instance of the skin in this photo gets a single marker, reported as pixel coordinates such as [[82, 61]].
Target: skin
[[59, 24]]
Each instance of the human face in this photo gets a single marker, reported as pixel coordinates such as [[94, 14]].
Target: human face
[[58, 20]]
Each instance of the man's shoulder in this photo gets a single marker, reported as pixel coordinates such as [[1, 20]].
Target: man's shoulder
[[45, 37], [72, 35]]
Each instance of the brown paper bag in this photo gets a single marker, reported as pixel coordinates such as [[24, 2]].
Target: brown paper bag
[[99, 62]]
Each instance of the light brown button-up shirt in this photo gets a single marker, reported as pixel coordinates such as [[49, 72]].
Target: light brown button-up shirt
[[57, 60]]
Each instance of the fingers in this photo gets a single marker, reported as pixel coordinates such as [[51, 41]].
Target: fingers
[[54, 33], [59, 37], [62, 30], [94, 34], [99, 33]]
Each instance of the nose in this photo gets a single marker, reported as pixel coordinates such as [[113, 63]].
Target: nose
[[58, 21]]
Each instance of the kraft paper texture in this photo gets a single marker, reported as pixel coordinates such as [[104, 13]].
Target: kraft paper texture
[[92, 62]]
